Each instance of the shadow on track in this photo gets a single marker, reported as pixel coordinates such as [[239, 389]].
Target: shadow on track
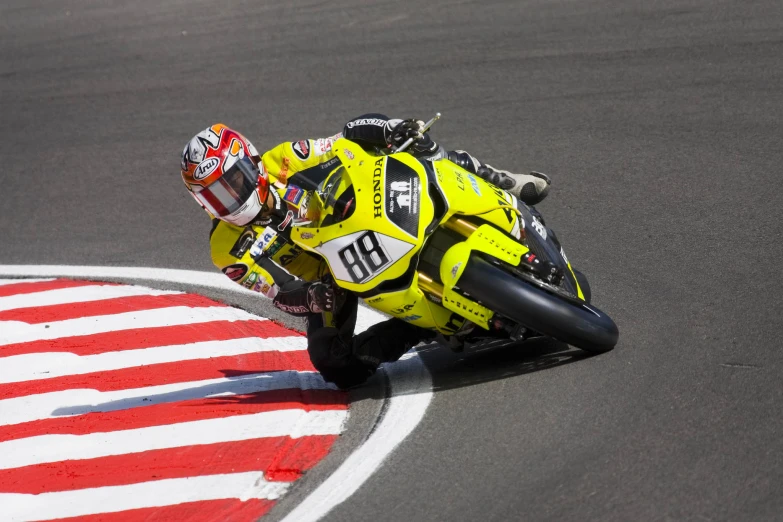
[[495, 361], [483, 363], [489, 362]]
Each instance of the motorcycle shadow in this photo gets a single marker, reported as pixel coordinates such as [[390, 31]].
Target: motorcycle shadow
[[493, 361]]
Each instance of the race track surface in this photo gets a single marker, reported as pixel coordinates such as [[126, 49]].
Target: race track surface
[[660, 123]]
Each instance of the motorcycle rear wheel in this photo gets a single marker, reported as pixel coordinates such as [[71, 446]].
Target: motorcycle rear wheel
[[580, 325]]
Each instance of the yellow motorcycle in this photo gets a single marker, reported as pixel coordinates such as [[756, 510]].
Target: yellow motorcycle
[[432, 244]]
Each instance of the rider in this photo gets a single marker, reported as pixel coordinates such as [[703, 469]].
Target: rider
[[254, 199]]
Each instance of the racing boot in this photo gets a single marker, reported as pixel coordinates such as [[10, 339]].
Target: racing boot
[[530, 188]]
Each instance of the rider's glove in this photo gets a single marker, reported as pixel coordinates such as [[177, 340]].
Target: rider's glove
[[406, 129], [320, 297]]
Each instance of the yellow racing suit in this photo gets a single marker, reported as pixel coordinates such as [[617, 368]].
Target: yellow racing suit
[[256, 254], [261, 257]]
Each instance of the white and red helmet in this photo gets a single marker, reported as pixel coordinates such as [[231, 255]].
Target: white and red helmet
[[220, 167]]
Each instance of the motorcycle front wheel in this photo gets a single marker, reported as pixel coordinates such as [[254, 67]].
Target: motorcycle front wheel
[[578, 324]]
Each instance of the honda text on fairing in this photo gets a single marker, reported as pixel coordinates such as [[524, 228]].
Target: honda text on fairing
[[430, 243]]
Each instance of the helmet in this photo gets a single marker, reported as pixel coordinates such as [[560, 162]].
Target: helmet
[[220, 167]]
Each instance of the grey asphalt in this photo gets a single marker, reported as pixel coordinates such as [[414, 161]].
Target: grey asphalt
[[660, 123]]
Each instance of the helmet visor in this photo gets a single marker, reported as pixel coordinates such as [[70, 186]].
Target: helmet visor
[[231, 191]]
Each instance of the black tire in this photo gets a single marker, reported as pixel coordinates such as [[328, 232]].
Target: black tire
[[582, 326]]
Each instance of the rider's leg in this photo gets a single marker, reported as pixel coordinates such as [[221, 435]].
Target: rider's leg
[[349, 360], [531, 188]]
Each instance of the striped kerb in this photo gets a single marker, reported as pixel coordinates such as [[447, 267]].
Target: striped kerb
[[127, 403]]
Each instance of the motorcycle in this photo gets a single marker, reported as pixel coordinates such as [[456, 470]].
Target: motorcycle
[[434, 245]]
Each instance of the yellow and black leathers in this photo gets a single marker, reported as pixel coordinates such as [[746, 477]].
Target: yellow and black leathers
[[261, 256]]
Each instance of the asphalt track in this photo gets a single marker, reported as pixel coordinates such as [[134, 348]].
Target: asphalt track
[[659, 122]]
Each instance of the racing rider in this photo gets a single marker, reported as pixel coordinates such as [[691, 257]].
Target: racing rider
[[255, 199]]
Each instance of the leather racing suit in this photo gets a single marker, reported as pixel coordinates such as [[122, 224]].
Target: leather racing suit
[[260, 256]]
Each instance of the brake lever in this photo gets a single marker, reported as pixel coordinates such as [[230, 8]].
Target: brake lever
[[423, 130]]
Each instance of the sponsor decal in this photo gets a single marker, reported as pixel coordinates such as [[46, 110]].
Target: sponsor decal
[[236, 271], [250, 281], [322, 145], [205, 168], [348, 153], [403, 309], [278, 200], [376, 188], [289, 216], [474, 184], [455, 269], [243, 243], [366, 121], [303, 206], [263, 221], [536, 224], [301, 149], [292, 309], [307, 235], [293, 194], [262, 286], [411, 318], [327, 165], [263, 241], [288, 258], [402, 196], [375, 300], [460, 180], [275, 247]]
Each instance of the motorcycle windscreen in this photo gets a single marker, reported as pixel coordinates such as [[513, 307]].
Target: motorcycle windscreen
[[333, 201]]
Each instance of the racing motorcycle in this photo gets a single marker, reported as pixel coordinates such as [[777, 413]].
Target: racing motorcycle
[[432, 244]]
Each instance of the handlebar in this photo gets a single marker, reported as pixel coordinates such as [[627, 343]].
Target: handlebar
[[423, 130]]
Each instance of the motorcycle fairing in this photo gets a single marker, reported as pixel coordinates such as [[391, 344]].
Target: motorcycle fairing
[[378, 239]]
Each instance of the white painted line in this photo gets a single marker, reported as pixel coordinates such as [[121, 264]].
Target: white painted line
[[410, 381], [4, 282], [412, 387], [112, 499], [81, 294], [175, 315], [36, 366], [366, 317], [71, 402], [55, 448]]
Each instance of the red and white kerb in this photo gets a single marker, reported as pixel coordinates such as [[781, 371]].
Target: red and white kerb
[[127, 403]]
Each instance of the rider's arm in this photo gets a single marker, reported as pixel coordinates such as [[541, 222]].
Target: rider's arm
[[378, 130], [235, 252], [253, 257], [370, 130], [295, 156]]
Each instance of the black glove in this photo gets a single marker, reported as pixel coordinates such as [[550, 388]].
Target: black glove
[[406, 129], [320, 297]]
